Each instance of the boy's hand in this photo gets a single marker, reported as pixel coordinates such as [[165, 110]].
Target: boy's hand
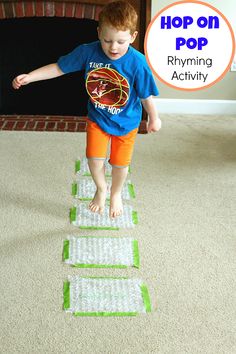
[[20, 80], [154, 125]]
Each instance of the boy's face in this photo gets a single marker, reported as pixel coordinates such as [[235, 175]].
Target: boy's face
[[115, 43]]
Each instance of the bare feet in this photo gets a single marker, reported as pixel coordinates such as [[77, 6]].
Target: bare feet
[[98, 203], [116, 205]]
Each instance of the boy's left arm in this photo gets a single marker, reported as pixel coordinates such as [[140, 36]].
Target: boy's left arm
[[154, 122]]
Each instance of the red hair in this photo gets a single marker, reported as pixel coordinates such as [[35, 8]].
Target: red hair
[[120, 15]]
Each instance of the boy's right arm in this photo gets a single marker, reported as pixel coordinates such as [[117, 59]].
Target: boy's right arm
[[49, 71]]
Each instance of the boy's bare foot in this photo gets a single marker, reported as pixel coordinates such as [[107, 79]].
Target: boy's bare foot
[[98, 203], [116, 205]]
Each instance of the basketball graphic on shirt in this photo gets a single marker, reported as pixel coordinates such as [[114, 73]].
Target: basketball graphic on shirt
[[107, 87]]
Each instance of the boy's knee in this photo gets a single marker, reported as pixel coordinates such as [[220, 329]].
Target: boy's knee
[[118, 166], [96, 160]]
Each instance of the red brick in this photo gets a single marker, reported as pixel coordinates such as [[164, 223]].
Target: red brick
[[7, 117], [30, 125], [59, 7], [98, 9], [36, 117], [79, 10], [69, 119], [39, 10], [61, 126], [49, 9], [52, 119], [71, 127], [8, 8], [29, 9], [82, 126], [57, 117], [2, 13], [40, 126], [89, 11], [50, 126], [26, 117], [9, 125], [20, 125], [19, 9], [70, 10]]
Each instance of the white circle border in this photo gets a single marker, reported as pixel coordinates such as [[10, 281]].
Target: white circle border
[[184, 2]]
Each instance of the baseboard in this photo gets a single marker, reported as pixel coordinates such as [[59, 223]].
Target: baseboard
[[180, 106]]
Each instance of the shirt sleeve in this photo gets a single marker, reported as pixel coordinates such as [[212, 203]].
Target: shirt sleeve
[[73, 61], [144, 83]]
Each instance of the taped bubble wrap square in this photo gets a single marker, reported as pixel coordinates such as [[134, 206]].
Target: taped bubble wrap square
[[82, 168], [81, 216], [92, 296], [101, 252], [85, 189]]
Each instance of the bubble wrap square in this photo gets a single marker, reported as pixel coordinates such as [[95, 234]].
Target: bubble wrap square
[[101, 252], [85, 189], [82, 168], [81, 216], [105, 296]]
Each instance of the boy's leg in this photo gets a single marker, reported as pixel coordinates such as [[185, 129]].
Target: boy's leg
[[97, 170], [121, 154], [96, 152], [118, 179]]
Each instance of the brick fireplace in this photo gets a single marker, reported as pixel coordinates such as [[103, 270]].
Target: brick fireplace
[[62, 9]]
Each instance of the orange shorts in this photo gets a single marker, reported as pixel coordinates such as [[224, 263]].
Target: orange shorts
[[121, 148]]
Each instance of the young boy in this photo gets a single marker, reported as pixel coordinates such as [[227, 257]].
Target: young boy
[[117, 78]]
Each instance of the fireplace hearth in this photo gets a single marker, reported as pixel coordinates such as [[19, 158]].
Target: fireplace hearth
[[35, 33]]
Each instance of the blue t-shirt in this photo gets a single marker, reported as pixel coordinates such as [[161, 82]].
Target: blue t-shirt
[[115, 87]]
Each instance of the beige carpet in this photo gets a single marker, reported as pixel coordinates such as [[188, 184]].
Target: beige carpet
[[185, 181]]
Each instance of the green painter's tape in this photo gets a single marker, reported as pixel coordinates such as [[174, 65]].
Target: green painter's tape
[[77, 165], [135, 217], [74, 189], [66, 250], [131, 190], [146, 298], [106, 314], [73, 214], [136, 254], [66, 294]]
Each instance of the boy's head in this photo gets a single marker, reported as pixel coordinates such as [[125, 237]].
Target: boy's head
[[120, 15], [116, 31]]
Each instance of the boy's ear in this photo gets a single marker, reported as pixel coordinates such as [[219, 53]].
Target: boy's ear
[[133, 36], [98, 31]]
